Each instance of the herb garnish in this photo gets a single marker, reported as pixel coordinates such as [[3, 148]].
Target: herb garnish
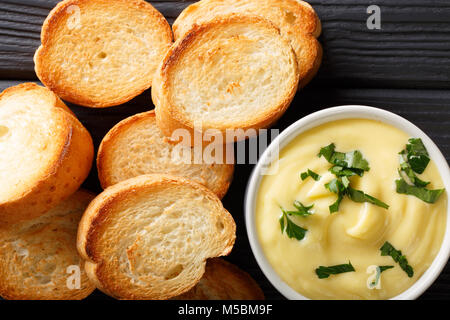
[[427, 195], [302, 210], [341, 187], [380, 269], [359, 196], [340, 171], [324, 272], [414, 159], [384, 268], [407, 174], [335, 206], [349, 160], [417, 155], [287, 225], [311, 174], [388, 250], [337, 186], [292, 230], [347, 165]]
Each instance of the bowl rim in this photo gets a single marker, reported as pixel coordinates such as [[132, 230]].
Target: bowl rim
[[318, 118]]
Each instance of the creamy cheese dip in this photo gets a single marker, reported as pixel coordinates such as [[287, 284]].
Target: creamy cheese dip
[[358, 230]]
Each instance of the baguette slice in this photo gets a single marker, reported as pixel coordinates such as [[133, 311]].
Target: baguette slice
[[101, 53], [233, 72], [224, 281], [136, 146], [36, 256], [148, 237], [45, 152], [297, 20]]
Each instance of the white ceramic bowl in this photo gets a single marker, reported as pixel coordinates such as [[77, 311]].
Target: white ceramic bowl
[[314, 120]]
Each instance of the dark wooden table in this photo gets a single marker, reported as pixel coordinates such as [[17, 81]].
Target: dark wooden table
[[404, 67]]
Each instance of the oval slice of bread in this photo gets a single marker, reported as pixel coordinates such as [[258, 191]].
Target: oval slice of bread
[[136, 146], [45, 152], [224, 281], [39, 259], [148, 237], [234, 72], [297, 20], [101, 53]]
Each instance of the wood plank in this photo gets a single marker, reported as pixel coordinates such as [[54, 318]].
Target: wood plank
[[410, 51], [407, 52], [428, 109]]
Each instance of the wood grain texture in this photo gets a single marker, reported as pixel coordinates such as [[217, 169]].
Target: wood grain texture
[[403, 68], [410, 51], [428, 109]]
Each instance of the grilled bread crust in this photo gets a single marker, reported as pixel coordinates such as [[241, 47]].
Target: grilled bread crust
[[46, 152], [233, 72], [136, 146], [224, 281], [297, 20], [101, 53], [39, 258], [149, 237]]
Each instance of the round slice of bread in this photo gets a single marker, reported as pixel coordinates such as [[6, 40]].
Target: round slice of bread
[[233, 72], [224, 281], [39, 259], [149, 237], [101, 53], [45, 152], [297, 20], [136, 146]]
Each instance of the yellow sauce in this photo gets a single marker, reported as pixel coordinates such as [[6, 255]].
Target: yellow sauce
[[358, 230]]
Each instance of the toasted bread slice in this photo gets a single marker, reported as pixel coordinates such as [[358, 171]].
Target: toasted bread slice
[[45, 152], [101, 53], [233, 72], [297, 20], [224, 281], [136, 146], [148, 237], [39, 259]]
